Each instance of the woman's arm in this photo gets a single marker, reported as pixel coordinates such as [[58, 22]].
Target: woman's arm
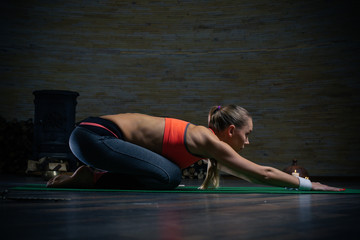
[[230, 161], [315, 185]]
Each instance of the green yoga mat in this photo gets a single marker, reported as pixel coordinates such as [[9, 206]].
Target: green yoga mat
[[182, 189]]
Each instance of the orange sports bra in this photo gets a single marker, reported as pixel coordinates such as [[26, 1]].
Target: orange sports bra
[[174, 143]]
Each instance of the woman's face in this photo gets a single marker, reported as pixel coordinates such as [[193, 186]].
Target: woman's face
[[239, 137]]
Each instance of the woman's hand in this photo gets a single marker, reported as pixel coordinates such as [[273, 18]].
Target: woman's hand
[[316, 186]]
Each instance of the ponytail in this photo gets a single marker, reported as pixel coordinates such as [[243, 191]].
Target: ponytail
[[212, 176], [219, 118]]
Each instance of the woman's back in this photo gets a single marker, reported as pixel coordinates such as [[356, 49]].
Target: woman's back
[[143, 130]]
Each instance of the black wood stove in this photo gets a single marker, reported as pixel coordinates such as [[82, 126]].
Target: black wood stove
[[54, 121]]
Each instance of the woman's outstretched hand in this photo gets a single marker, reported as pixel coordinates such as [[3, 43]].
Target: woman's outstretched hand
[[316, 186]]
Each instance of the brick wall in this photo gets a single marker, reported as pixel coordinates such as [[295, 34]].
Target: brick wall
[[292, 64]]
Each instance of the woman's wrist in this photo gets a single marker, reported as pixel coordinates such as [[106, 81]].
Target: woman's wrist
[[305, 184]]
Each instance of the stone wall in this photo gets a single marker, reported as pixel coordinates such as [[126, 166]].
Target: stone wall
[[292, 64]]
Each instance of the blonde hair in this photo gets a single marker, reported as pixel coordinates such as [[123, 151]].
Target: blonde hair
[[220, 117]]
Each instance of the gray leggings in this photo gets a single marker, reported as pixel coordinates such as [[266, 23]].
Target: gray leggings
[[130, 166]]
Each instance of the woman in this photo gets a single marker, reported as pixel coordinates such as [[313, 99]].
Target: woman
[[138, 151]]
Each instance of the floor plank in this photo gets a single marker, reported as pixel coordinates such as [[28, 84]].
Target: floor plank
[[113, 215]]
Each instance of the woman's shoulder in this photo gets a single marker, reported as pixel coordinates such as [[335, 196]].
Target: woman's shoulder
[[200, 138], [202, 131]]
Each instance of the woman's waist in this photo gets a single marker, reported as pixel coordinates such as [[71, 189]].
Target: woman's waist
[[101, 126]]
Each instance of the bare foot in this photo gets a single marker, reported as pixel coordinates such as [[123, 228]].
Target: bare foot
[[83, 177]]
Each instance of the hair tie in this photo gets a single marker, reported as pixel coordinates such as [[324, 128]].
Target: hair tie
[[219, 107]]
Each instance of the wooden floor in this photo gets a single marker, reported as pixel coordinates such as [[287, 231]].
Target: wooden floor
[[114, 215]]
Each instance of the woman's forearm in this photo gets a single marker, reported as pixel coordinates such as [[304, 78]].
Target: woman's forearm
[[271, 176]]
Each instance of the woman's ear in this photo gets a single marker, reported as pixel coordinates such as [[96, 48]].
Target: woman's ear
[[231, 130]]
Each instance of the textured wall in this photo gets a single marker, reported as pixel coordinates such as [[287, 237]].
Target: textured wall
[[292, 64]]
